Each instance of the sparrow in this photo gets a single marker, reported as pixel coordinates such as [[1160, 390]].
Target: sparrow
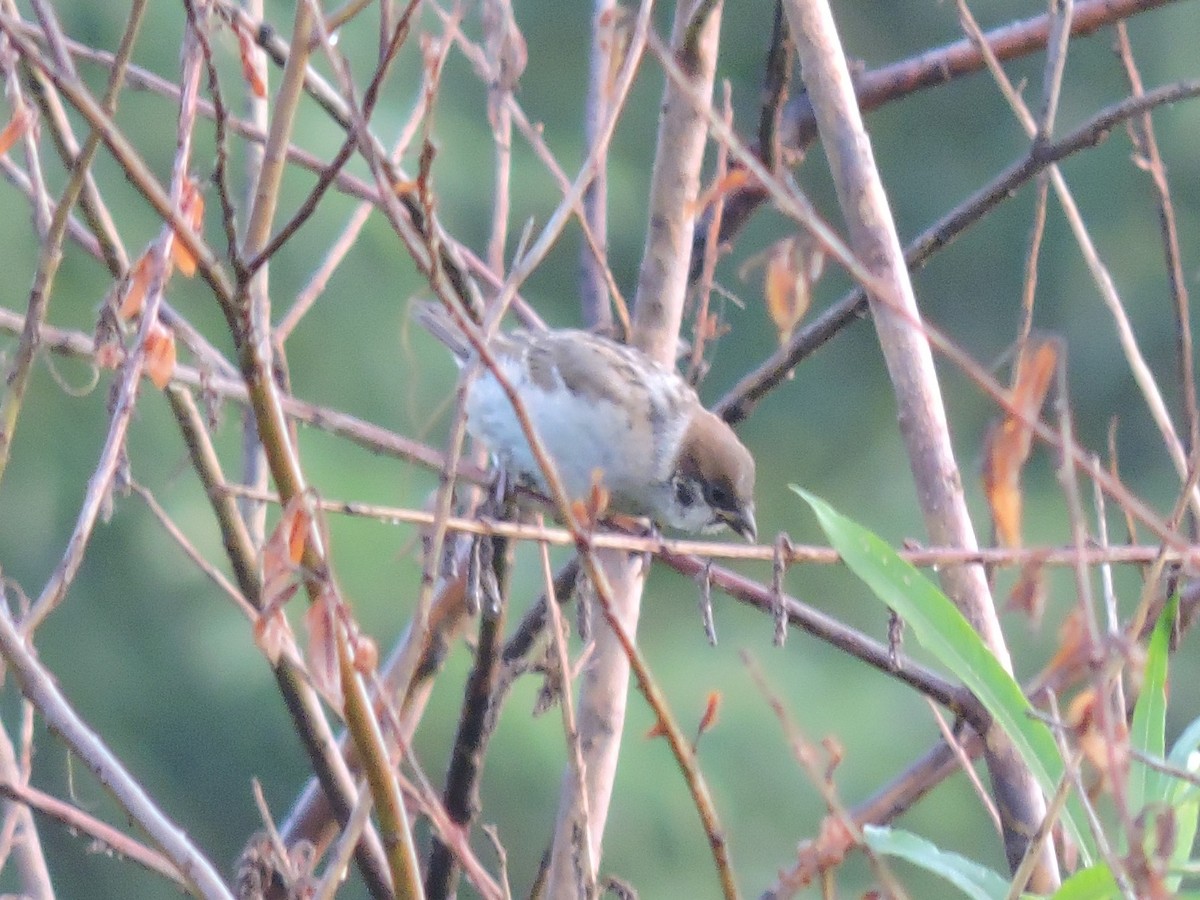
[[599, 406]]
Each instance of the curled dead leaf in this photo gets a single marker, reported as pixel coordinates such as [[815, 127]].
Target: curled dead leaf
[[136, 289], [272, 633], [711, 706], [1106, 749], [16, 128], [282, 552], [1009, 439], [191, 210], [250, 70], [1029, 593], [793, 266], [160, 354]]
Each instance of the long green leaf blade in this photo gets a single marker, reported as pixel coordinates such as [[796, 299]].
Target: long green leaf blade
[[942, 629], [1148, 732], [973, 879]]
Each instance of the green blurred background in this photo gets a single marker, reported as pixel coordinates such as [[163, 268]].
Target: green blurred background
[[165, 670]]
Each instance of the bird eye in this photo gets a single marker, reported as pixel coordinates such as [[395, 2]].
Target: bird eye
[[685, 493], [718, 497]]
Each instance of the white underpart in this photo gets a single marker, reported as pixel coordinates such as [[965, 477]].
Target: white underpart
[[579, 438]]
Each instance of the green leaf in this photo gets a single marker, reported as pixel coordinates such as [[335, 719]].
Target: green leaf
[[1093, 883], [1149, 728], [973, 879], [942, 629], [1184, 797]]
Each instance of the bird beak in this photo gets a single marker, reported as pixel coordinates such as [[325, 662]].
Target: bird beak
[[742, 521]]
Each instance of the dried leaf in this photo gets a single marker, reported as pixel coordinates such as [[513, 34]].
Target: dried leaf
[[160, 354], [1110, 758], [1166, 833], [138, 286], [1002, 480], [272, 633], [1074, 646], [191, 210], [250, 71], [1035, 369], [794, 265], [321, 623], [1029, 593], [711, 706], [282, 552], [504, 44], [1009, 440], [16, 128]]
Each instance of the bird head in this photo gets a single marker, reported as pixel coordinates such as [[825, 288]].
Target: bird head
[[712, 482]]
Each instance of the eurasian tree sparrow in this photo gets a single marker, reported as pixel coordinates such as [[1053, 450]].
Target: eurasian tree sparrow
[[599, 405]]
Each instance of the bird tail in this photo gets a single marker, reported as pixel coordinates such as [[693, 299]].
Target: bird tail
[[436, 319]]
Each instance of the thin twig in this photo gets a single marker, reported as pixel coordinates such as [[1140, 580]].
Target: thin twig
[[79, 822], [741, 400], [1141, 130], [1142, 373], [39, 686]]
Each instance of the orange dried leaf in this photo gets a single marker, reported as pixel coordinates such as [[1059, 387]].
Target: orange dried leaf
[[1002, 481], [1035, 369], [1074, 645], [139, 285], [1081, 712], [191, 210], [1009, 441], [794, 265], [250, 71], [405, 186], [15, 129], [580, 512], [730, 182], [709, 719], [160, 354], [1029, 593], [183, 258], [297, 535], [282, 552], [1108, 757]]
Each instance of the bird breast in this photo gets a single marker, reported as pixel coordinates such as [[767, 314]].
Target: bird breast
[[593, 404]]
